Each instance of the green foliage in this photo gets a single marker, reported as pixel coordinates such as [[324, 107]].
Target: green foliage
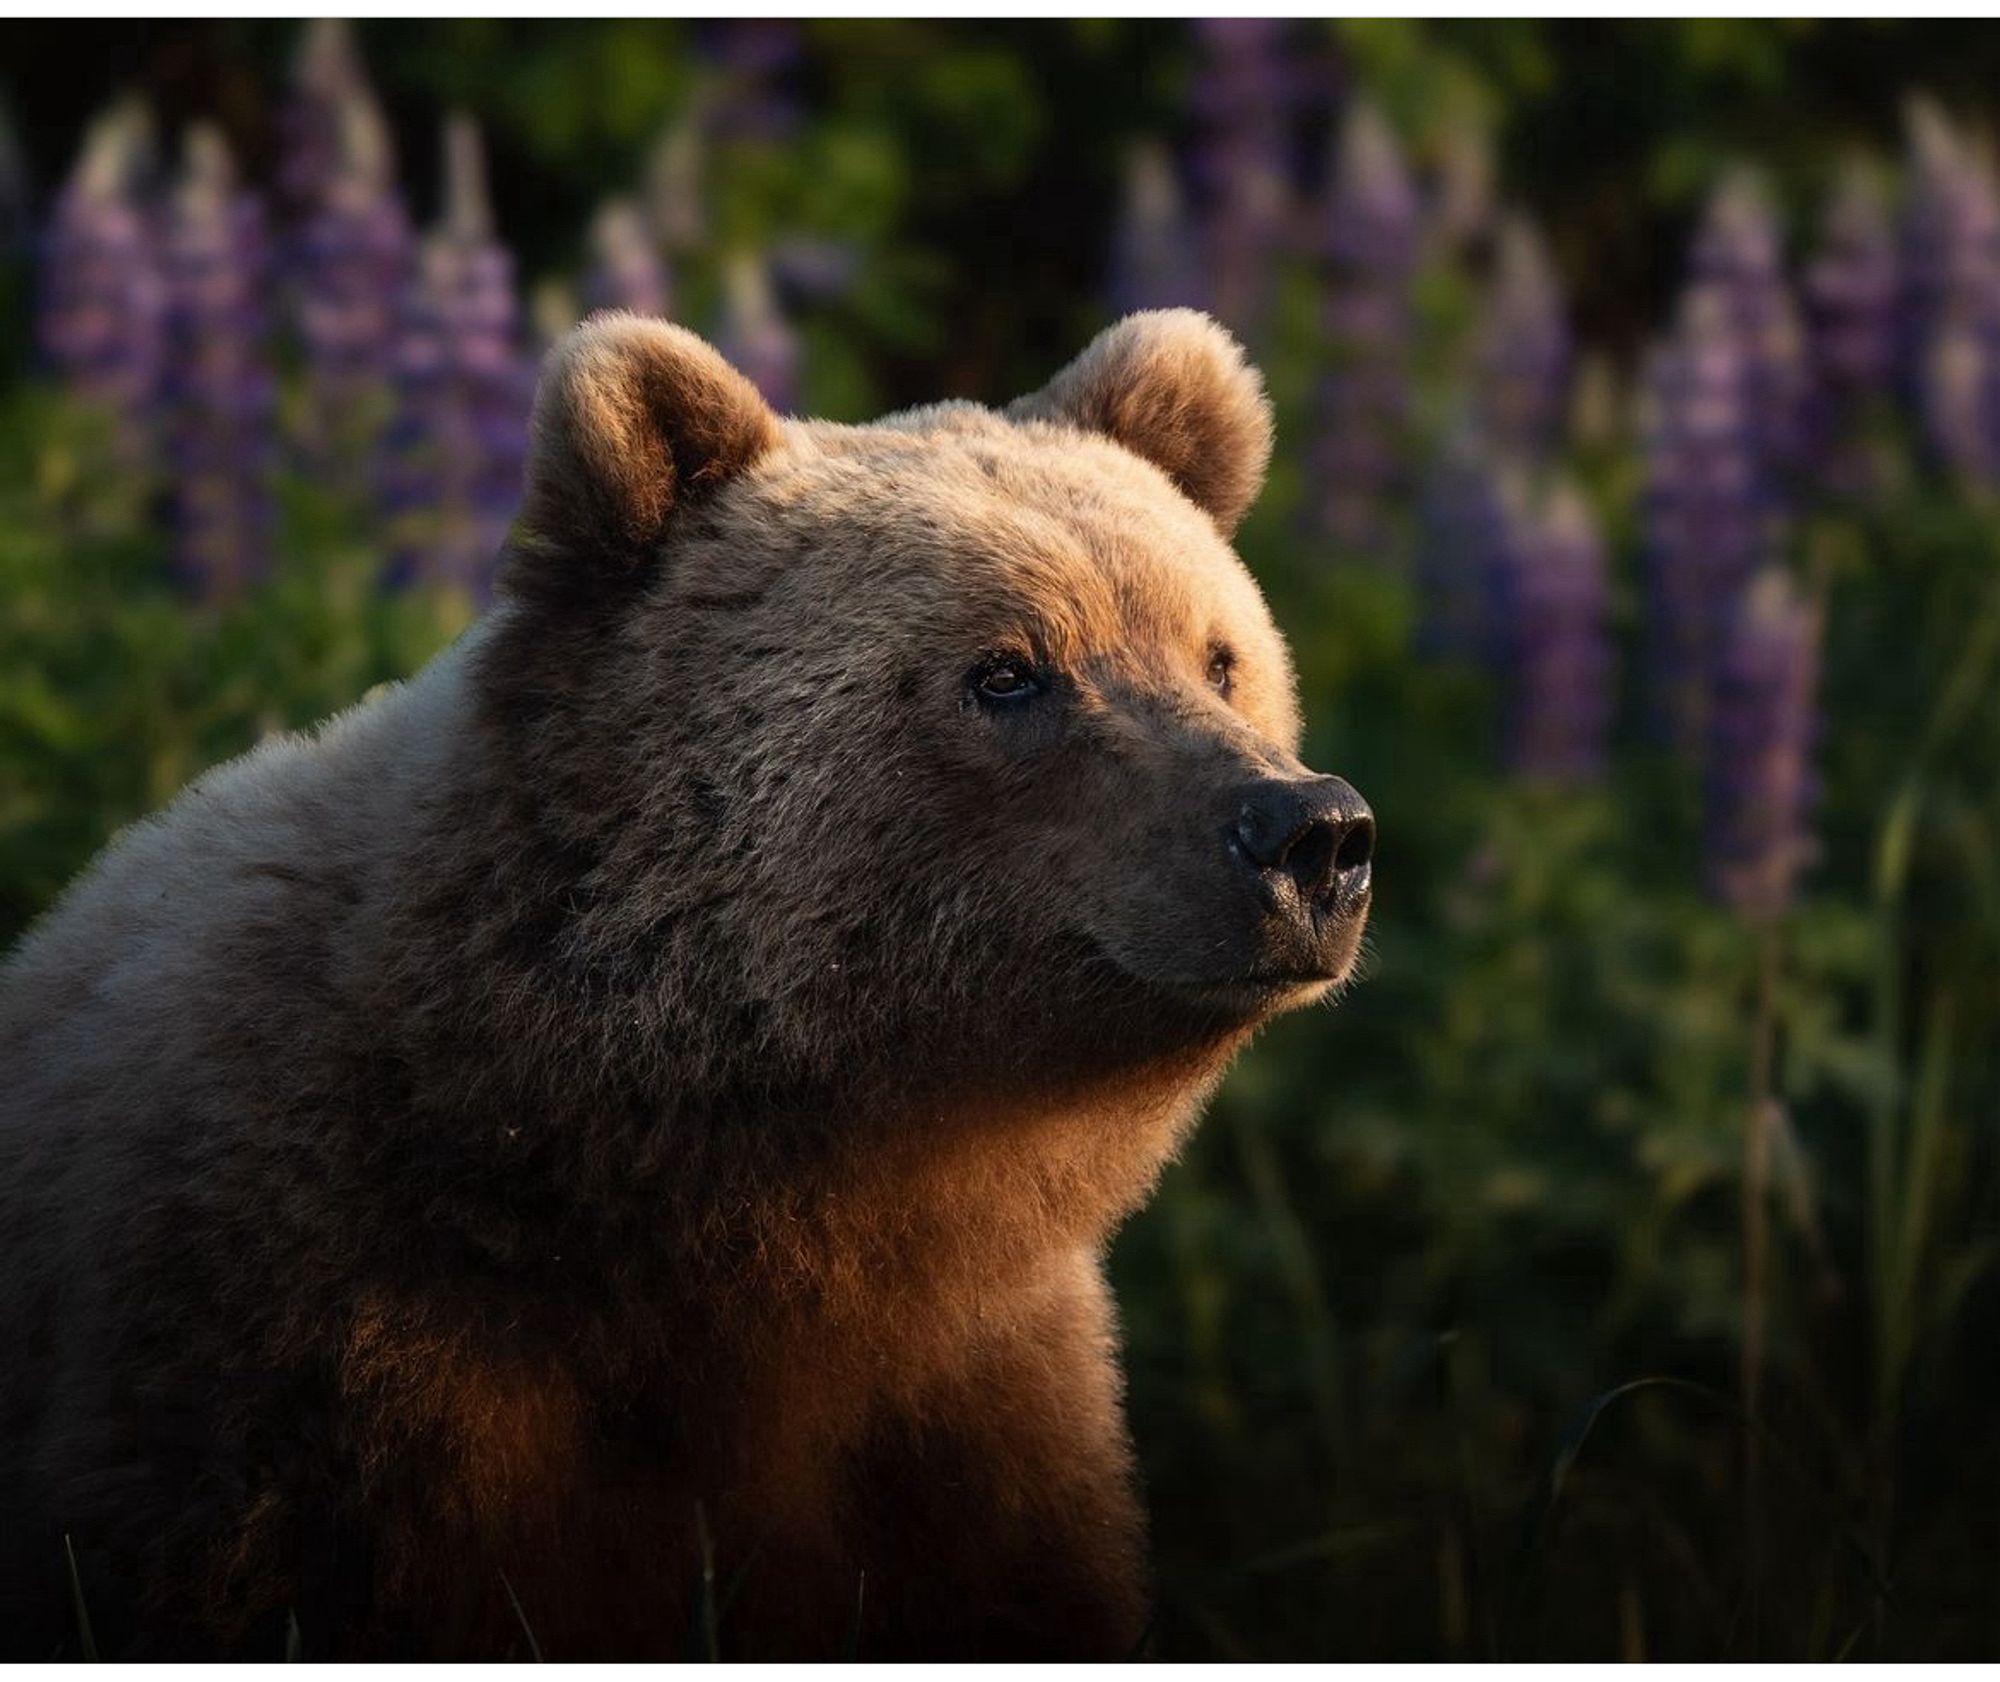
[[114, 690]]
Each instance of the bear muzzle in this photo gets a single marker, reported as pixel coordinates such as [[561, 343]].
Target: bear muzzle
[[1306, 845]]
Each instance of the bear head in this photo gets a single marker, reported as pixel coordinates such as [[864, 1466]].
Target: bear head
[[958, 746]]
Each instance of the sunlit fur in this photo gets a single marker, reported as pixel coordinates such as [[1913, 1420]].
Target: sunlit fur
[[654, 1090]]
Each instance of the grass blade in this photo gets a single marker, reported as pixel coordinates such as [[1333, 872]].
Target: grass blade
[[84, 1632], [514, 1600]]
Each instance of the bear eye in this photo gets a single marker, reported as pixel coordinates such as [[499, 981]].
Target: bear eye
[[1221, 670], [1004, 680]]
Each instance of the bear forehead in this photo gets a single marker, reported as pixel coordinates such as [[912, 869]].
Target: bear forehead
[[965, 516]]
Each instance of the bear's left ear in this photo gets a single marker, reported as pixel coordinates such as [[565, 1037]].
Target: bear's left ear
[[1174, 387], [634, 418]]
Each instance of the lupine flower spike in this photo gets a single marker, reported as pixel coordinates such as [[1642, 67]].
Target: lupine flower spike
[[1155, 262], [1758, 778], [1738, 257], [350, 263], [1554, 645], [754, 334], [1242, 98], [103, 297], [1370, 245], [1711, 519], [1524, 344], [1462, 529], [1462, 214], [1853, 296], [464, 386], [1951, 333], [219, 383], [327, 78], [626, 271]]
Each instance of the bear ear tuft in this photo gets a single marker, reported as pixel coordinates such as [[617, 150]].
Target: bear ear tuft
[[1174, 387], [633, 419]]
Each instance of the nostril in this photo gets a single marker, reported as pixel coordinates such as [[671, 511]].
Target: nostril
[[1309, 856], [1356, 848]]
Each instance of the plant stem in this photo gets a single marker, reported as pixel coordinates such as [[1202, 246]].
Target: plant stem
[[1756, 1250]]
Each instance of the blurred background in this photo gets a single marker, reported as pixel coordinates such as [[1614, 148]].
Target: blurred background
[[1608, 1275]]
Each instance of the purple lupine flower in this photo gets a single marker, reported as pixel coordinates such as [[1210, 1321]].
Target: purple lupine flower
[[219, 386], [349, 264], [1758, 783], [102, 318], [804, 267], [13, 185], [1523, 353], [1462, 531], [1951, 273], [754, 61], [675, 207], [754, 335], [626, 269], [1155, 263], [1242, 98], [464, 388], [1370, 243], [1711, 511], [1852, 293], [1738, 256], [1950, 231], [1552, 639], [327, 80], [1462, 208]]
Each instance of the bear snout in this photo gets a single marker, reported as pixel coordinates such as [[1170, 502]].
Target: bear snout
[[1307, 843]]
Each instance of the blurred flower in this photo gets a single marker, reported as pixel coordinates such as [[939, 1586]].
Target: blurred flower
[[219, 383], [812, 268], [754, 334], [1553, 642], [1852, 293], [1242, 99], [13, 185], [672, 197], [1372, 221], [1951, 265], [327, 82], [1738, 258], [1155, 263], [1711, 515], [626, 269], [1462, 211], [1758, 782], [1369, 239], [1523, 351], [754, 61], [1461, 532], [464, 388], [1516, 580], [103, 297], [349, 265]]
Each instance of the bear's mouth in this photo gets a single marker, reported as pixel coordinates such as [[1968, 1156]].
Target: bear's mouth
[[1260, 989]]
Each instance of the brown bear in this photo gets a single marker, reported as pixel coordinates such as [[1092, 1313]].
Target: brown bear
[[607, 1148]]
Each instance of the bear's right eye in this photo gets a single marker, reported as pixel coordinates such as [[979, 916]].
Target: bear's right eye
[[1006, 680]]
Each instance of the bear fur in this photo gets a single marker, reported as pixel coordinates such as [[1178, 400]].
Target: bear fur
[[615, 1138]]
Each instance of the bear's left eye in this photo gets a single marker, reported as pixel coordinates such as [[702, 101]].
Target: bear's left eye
[[1005, 680], [1221, 670]]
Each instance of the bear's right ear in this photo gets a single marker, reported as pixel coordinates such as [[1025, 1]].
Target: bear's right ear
[[1173, 387], [633, 419]]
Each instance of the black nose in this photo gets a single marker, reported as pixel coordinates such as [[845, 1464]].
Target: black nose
[[1316, 832]]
